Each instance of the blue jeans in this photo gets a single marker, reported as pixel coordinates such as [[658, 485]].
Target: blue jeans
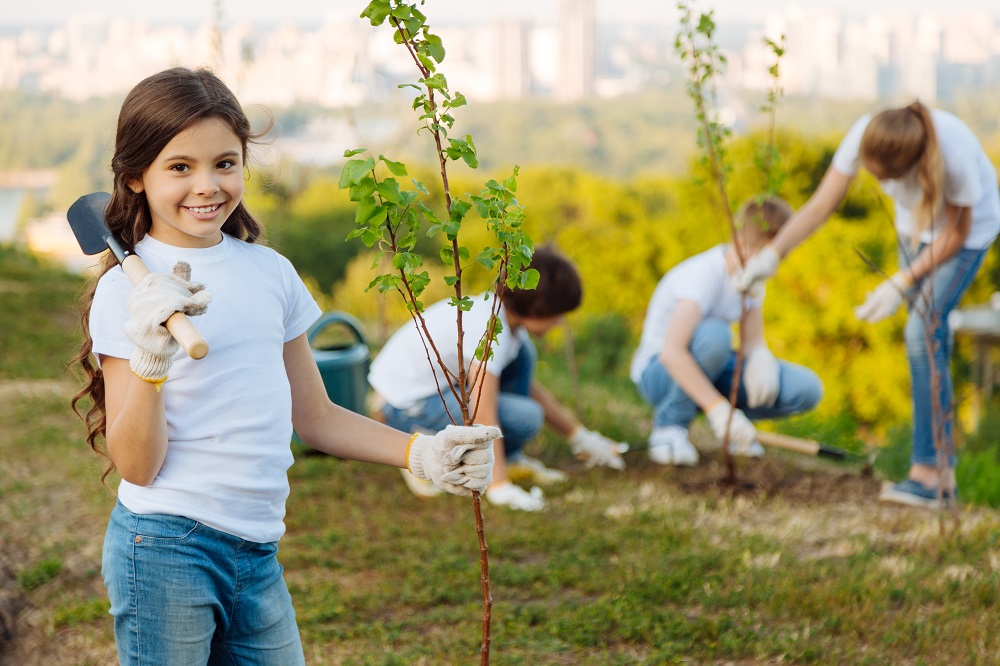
[[185, 594], [711, 345], [937, 295], [521, 418]]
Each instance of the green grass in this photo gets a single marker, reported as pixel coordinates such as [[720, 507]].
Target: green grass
[[639, 567]]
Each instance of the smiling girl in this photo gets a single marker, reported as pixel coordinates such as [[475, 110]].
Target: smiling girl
[[203, 446]]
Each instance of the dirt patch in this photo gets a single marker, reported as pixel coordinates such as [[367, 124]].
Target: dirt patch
[[795, 481]]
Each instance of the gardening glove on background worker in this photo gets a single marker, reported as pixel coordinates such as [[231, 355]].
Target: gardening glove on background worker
[[886, 298], [458, 459], [150, 304], [757, 270], [596, 449], [515, 497], [742, 434], [762, 377]]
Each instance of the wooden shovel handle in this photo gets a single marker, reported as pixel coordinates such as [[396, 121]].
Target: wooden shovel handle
[[787, 442], [184, 332]]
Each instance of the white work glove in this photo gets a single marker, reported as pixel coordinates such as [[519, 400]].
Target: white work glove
[[761, 266], [150, 304], [515, 497], [458, 459], [596, 449], [761, 377], [886, 298], [742, 434]]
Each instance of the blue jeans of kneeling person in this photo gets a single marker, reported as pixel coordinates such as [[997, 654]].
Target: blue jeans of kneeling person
[[935, 298], [711, 345], [184, 593], [521, 417]]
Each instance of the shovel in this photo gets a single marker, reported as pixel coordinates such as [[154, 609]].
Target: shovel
[[86, 218]]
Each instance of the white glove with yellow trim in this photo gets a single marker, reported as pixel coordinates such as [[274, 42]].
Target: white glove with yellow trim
[[150, 304], [458, 459]]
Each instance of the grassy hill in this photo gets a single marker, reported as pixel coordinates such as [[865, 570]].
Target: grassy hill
[[795, 562]]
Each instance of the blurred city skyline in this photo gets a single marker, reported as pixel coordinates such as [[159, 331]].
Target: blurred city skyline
[[449, 11]]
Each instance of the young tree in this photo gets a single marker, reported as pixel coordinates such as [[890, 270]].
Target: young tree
[[390, 217], [695, 45]]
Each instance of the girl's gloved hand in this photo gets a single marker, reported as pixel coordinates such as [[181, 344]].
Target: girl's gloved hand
[[458, 459], [596, 449], [886, 298], [150, 304]]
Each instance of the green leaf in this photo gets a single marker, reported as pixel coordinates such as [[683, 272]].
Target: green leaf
[[436, 82], [485, 258], [464, 304], [395, 168], [366, 210], [435, 48], [354, 151], [450, 280], [529, 279], [388, 189], [377, 11], [363, 190], [354, 171]]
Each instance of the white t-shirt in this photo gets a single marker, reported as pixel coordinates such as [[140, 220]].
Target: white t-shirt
[[229, 420], [703, 279], [403, 377], [969, 180]]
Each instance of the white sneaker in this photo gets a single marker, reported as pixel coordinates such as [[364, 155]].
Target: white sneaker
[[755, 450], [531, 470], [515, 497], [669, 445]]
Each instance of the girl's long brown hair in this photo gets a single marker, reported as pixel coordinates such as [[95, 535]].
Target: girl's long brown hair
[[899, 139], [154, 112]]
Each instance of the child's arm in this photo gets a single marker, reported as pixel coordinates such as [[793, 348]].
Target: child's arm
[[556, 415], [457, 459], [676, 357], [330, 428], [136, 422], [588, 445]]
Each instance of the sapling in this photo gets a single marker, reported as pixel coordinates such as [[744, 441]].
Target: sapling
[[922, 302], [704, 62], [390, 218]]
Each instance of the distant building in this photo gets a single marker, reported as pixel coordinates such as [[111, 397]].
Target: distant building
[[576, 50]]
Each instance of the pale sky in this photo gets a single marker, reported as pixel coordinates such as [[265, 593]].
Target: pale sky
[[19, 12]]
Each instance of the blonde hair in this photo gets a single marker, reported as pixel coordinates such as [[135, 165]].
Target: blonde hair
[[760, 219], [899, 139]]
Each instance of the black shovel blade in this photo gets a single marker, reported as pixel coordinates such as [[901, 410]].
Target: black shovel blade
[[86, 218]]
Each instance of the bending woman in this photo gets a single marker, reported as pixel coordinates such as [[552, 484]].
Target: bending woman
[[947, 214]]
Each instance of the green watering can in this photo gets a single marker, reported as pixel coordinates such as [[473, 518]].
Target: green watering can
[[338, 344]]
